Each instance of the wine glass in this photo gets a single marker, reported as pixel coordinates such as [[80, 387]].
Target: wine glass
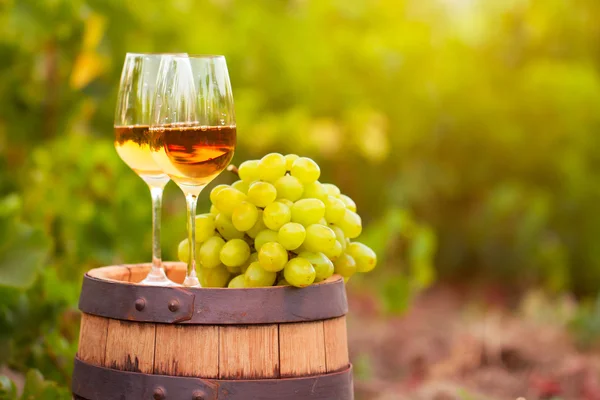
[[193, 130], [137, 91]]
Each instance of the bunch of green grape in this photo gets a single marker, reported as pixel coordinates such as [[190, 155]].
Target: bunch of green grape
[[278, 225]]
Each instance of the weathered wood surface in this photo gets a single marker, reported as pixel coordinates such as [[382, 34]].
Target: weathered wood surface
[[130, 346], [248, 352], [92, 339], [336, 344], [187, 350], [302, 349]]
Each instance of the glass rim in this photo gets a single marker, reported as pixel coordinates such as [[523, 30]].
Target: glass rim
[[155, 54], [199, 56], [190, 124]]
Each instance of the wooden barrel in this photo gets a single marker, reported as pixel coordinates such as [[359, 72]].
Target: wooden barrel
[[144, 342]]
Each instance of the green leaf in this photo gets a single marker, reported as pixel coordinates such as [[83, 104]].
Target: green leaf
[[53, 392], [423, 246], [385, 230], [8, 390], [36, 388], [34, 384], [396, 294], [422, 274], [23, 249]]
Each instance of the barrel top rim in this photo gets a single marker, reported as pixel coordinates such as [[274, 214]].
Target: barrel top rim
[[331, 280], [127, 301]]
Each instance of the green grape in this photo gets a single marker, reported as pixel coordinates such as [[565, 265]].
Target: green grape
[[213, 277], [272, 167], [282, 282], [253, 258], [334, 209], [226, 228], [323, 221], [215, 191], [209, 252], [365, 257], [306, 170], [275, 215], [261, 194], [235, 253], [258, 226], [300, 250], [350, 223], [264, 236], [339, 235], [314, 190], [244, 216], [257, 276], [323, 265], [214, 210], [345, 265], [228, 199], [299, 272], [335, 251], [272, 256], [331, 189], [241, 186], [319, 238], [289, 188], [234, 270], [291, 235], [205, 227], [183, 251], [289, 161], [287, 202], [350, 204], [248, 171], [308, 211], [239, 282]]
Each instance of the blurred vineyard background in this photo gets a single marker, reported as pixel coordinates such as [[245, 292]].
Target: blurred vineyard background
[[467, 131]]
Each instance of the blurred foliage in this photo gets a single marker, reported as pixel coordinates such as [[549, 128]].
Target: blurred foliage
[[35, 388], [480, 117], [410, 247]]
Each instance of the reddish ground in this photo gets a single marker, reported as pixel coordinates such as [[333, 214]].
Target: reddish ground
[[447, 348]]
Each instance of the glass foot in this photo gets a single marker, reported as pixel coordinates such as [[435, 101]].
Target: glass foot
[[166, 282], [191, 281], [158, 278]]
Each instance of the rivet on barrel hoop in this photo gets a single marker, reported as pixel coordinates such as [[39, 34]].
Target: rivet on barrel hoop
[[198, 395], [159, 394], [140, 304], [174, 305]]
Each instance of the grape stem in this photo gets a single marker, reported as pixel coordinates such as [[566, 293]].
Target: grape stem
[[234, 170]]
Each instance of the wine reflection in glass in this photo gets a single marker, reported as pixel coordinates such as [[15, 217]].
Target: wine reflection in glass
[[193, 130]]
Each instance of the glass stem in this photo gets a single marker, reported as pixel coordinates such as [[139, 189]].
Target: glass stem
[[157, 272], [191, 278]]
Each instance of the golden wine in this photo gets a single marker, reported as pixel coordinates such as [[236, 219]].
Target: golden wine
[[133, 145], [193, 156]]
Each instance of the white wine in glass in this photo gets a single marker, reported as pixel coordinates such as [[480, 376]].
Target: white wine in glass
[[132, 144]]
